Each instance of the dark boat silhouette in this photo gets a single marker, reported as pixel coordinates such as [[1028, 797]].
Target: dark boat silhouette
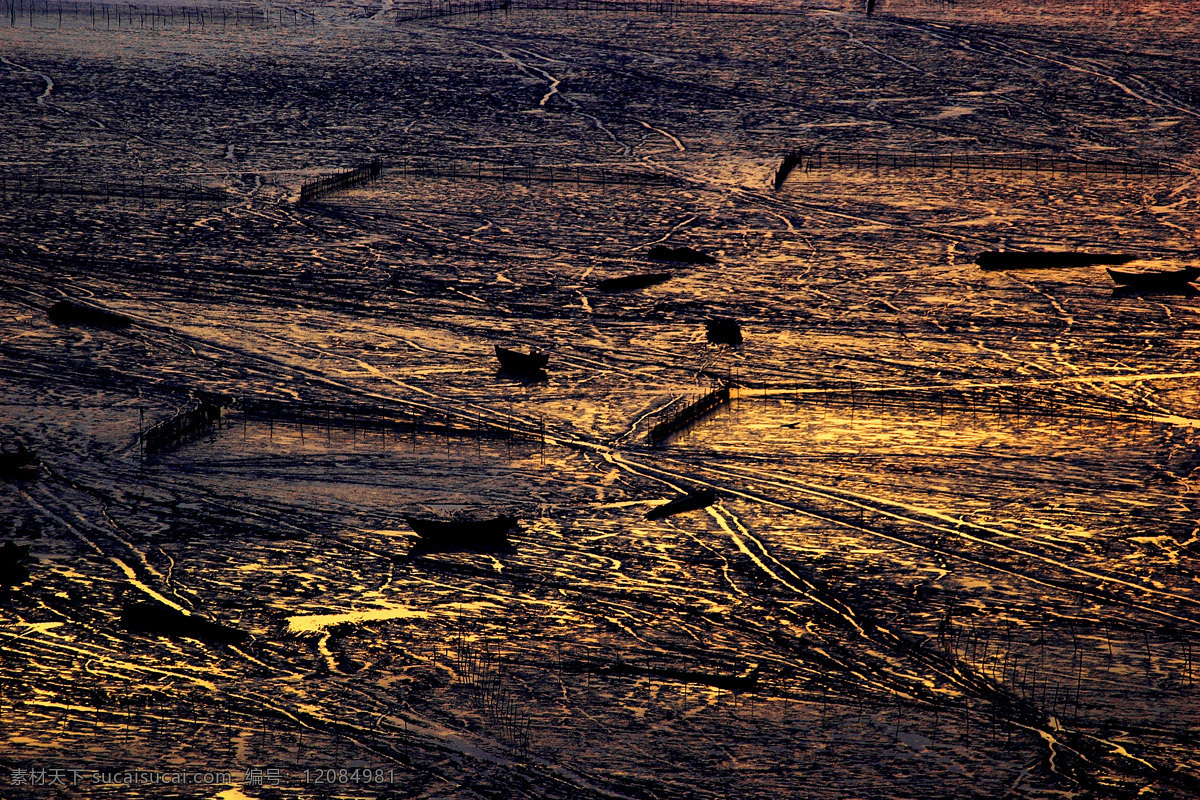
[[686, 255], [18, 462], [68, 312], [689, 502], [14, 561], [524, 363], [723, 330], [449, 535], [1047, 259], [628, 282], [1154, 279]]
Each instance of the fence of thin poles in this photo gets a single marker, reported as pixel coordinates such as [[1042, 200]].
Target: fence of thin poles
[[1038, 165], [150, 17]]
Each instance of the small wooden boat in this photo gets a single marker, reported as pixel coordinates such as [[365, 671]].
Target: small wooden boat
[[68, 312], [629, 282], [14, 559], [723, 330], [516, 361], [686, 255], [701, 498], [1047, 259], [20, 462], [449, 535], [1154, 279]]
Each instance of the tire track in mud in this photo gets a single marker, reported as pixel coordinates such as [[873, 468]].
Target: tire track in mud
[[820, 112], [626, 149], [420, 732], [995, 44], [556, 435], [752, 547], [1016, 710], [42, 99], [1001, 43], [771, 571], [131, 575], [879, 506]]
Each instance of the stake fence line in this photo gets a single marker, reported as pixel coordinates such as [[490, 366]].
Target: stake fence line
[[340, 180], [434, 9], [461, 169], [41, 184], [205, 413], [676, 418], [1036, 164], [188, 425], [442, 421], [1017, 401], [136, 16], [410, 168]]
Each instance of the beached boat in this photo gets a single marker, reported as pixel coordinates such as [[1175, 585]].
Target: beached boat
[[629, 282], [689, 502], [516, 361], [723, 330], [14, 564], [69, 312], [1154, 279], [1047, 259], [18, 462], [442, 535]]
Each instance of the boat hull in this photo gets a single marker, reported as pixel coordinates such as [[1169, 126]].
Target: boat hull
[[1047, 259], [1160, 279], [449, 535], [689, 502], [516, 361], [21, 464], [68, 312], [684, 255], [723, 330], [627, 283]]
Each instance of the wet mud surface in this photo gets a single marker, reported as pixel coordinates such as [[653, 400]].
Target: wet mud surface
[[954, 547]]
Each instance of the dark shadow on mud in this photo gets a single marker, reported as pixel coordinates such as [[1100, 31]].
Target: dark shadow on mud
[[1184, 290], [523, 378], [156, 618]]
